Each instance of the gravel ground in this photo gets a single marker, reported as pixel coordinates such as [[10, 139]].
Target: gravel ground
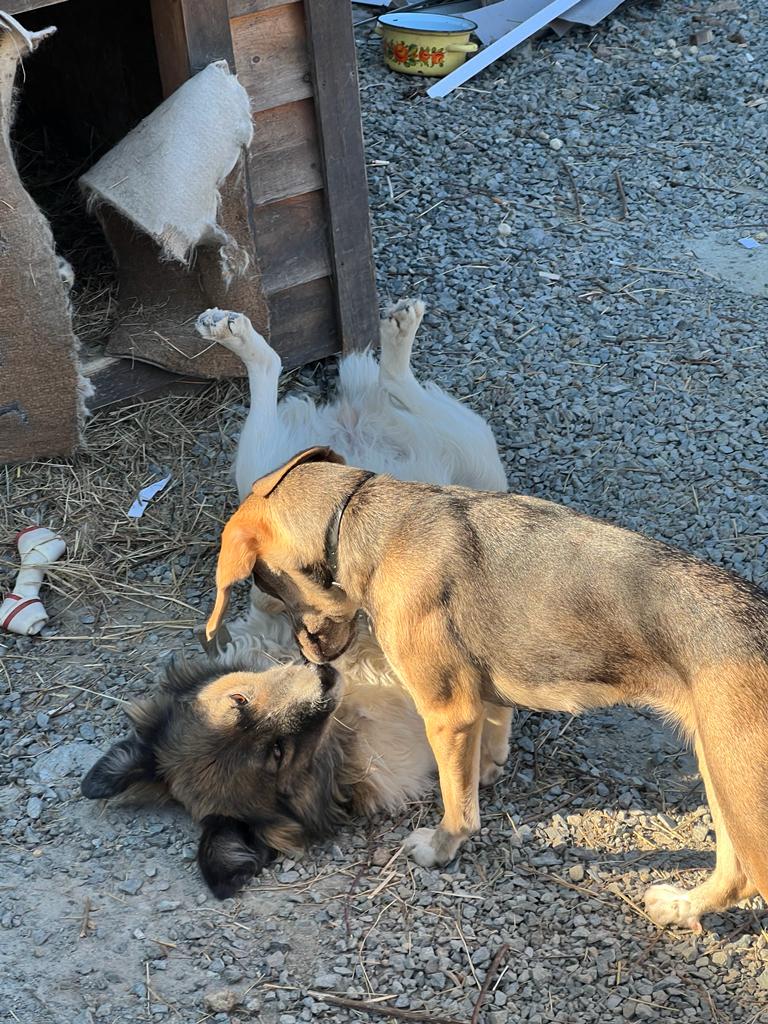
[[622, 378]]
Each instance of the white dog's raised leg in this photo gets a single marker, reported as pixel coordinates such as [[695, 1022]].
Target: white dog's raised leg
[[397, 333], [235, 332], [258, 436]]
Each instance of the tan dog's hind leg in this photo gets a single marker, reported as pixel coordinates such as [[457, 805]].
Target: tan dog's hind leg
[[494, 747], [728, 884]]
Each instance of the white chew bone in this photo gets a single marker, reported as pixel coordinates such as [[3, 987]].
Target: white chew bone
[[22, 610]]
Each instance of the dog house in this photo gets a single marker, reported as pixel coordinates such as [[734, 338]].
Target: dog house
[[295, 202]]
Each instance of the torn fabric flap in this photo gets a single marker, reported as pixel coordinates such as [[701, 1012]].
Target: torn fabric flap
[[17, 43], [165, 175]]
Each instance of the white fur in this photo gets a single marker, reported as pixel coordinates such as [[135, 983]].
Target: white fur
[[381, 419]]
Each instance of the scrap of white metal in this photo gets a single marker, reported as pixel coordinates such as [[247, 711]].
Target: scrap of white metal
[[507, 42]]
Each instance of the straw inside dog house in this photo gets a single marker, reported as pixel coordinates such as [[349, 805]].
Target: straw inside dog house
[[297, 202]]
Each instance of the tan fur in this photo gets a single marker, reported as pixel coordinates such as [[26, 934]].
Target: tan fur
[[481, 599]]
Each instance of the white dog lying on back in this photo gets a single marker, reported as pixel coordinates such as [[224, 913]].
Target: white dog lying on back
[[370, 752]]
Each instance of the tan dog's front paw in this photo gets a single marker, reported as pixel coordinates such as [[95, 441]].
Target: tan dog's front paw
[[667, 904], [418, 846], [431, 847]]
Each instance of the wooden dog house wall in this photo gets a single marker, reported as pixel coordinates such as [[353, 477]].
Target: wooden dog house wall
[[300, 196]]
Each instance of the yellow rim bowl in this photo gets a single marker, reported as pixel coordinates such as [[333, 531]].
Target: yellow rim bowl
[[417, 51]]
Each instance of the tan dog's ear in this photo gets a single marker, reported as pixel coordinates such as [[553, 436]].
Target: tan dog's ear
[[320, 453], [241, 540]]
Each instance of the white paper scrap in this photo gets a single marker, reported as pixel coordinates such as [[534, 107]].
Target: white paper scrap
[[146, 494]]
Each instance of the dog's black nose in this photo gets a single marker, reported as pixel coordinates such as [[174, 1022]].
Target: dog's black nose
[[328, 676]]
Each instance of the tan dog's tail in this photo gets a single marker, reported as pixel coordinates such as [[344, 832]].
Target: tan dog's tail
[[731, 710]]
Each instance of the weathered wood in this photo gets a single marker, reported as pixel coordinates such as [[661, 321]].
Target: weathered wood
[[304, 323], [116, 381], [284, 159], [237, 8], [189, 35], [21, 6], [291, 241], [337, 105], [271, 56]]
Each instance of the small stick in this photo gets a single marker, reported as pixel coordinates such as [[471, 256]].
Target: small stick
[[490, 975], [348, 898], [85, 925], [622, 193], [385, 1011], [575, 190]]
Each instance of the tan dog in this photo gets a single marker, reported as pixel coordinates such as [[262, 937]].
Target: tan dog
[[479, 598]]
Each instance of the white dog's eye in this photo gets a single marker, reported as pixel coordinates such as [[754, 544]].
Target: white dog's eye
[[238, 700]]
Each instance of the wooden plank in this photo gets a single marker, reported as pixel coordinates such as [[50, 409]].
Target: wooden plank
[[22, 6], [208, 34], [291, 242], [271, 56], [121, 380], [189, 35], [303, 323], [337, 104], [284, 158], [237, 8]]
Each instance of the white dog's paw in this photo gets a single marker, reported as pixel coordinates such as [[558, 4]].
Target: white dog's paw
[[419, 847], [401, 322], [230, 329], [667, 904], [235, 332]]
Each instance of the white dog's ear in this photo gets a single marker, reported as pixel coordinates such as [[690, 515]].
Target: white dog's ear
[[320, 453]]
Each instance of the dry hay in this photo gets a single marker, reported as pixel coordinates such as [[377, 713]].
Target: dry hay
[[155, 573], [151, 561]]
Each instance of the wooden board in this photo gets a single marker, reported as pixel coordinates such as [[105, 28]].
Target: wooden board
[[291, 241], [284, 159], [337, 105], [116, 381], [239, 7], [271, 57], [304, 323], [189, 35]]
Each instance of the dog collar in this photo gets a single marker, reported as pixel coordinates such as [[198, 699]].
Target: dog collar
[[334, 526]]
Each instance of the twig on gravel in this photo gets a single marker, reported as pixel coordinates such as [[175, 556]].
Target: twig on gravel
[[501, 953], [348, 898], [149, 991], [105, 696], [622, 193], [363, 1006], [575, 190], [85, 924]]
